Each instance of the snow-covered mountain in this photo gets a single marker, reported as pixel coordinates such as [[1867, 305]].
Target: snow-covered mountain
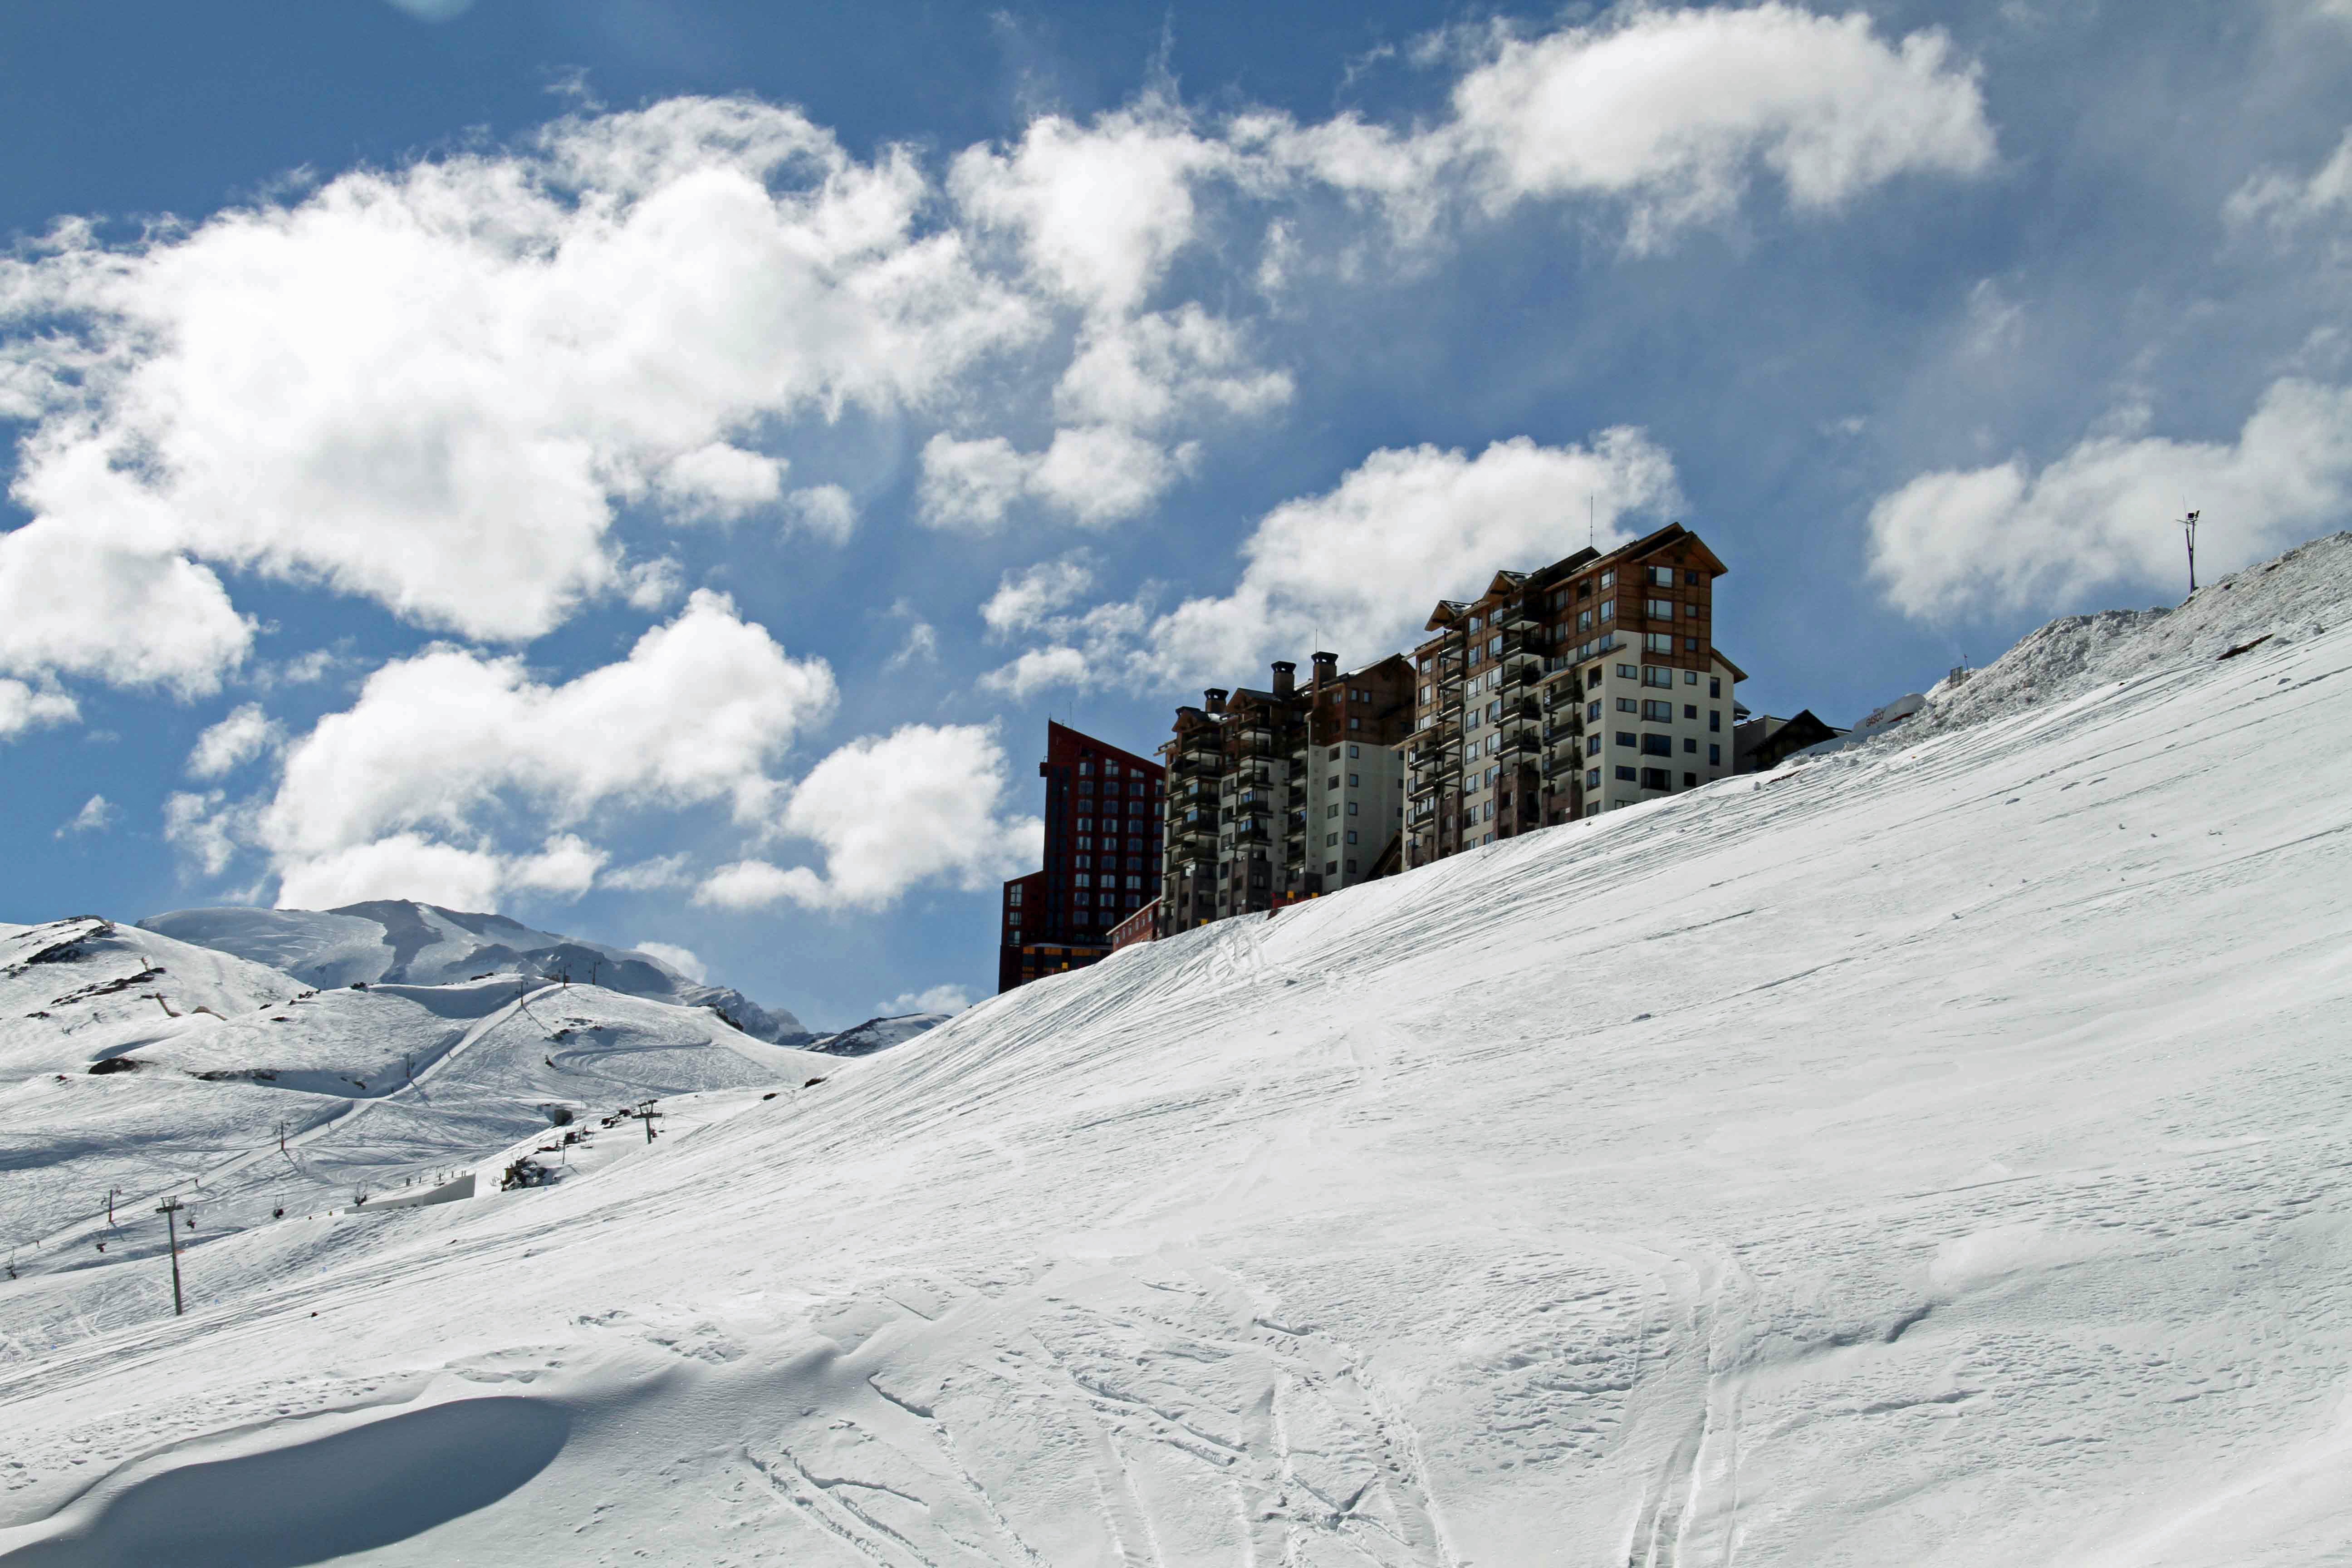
[[877, 1033], [423, 944], [1935, 1153]]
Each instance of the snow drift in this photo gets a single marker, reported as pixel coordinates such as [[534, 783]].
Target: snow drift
[[1935, 1153]]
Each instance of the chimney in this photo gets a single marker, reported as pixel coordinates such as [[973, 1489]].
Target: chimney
[[1326, 668], [1286, 677], [1214, 699]]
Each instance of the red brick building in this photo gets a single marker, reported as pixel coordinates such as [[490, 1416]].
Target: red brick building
[[1103, 809]]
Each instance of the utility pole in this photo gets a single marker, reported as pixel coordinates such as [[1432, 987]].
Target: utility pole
[[111, 1193], [2188, 528], [645, 1115], [170, 1212], [281, 1135]]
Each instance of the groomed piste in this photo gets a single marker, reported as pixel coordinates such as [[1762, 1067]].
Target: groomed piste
[[1939, 1152]]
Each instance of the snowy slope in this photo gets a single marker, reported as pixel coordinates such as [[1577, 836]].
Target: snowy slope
[[423, 944], [1940, 1153], [877, 1033]]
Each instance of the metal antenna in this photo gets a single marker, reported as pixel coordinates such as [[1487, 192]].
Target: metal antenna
[[2189, 529]]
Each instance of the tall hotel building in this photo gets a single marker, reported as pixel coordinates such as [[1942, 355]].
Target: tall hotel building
[[1590, 684], [1284, 792], [1103, 812]]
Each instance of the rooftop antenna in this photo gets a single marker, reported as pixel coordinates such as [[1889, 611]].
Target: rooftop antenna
[[1592, 520], [2189, 529]]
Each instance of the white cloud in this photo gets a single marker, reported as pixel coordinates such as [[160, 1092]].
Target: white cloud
[[757, 884], [247, 733], [206, 829], [695, 713], [1143, 373], [72, 603], [970, 484], [1412, 526], [719, 483], [2009, 538], [679, 958], [936, 999], [1669, 109], [1097, 475], [24, 707], [1042, 669], [2286, 202], [828, 511], [428, 386], [96, 815], [921, 647], [1099, 210], [649, 876], [924, 801], [403, 866], [1024, 599]]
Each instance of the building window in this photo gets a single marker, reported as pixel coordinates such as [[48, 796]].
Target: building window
[[1609, 578], [1691, 578], [1355, 723], [1014, 897], [1714, 755], [1659, 609], [1658, 712], [1657, 675], [1627, 737], [1657, 642], [1657, 778], [1592, 778], [1351, 808], [1714, 686], [1330, 840], [1629, 672], [1085, 770], [1351, 835], [1083, 880], [1628, 705], [1608, 609], [1486, 813], [1625, 776], [1593, 745], [1691, 644], [1657, 745], [1354, 780], [1330, 867], [1086, 786], [1333, 809]]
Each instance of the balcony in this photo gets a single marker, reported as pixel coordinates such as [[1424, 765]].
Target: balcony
[[1559, 730], [1515, 613], [1566, 694], [1255, 740], [1561, 763], [1521, 669], [1294, 824], [1247, 834], [1254, 804], [1195, 763], [1253, 775]]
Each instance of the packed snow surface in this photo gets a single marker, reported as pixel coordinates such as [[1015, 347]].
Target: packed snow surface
[[1939, 1152], [425, 944]]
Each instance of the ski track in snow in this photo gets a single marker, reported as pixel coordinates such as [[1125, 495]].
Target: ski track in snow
[[1937, 1152]]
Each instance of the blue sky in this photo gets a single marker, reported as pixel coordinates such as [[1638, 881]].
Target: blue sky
[[654, 467]]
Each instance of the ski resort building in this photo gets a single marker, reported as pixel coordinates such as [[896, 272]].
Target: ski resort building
[[1103, 812], [1586, 685], [1284, 792]]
